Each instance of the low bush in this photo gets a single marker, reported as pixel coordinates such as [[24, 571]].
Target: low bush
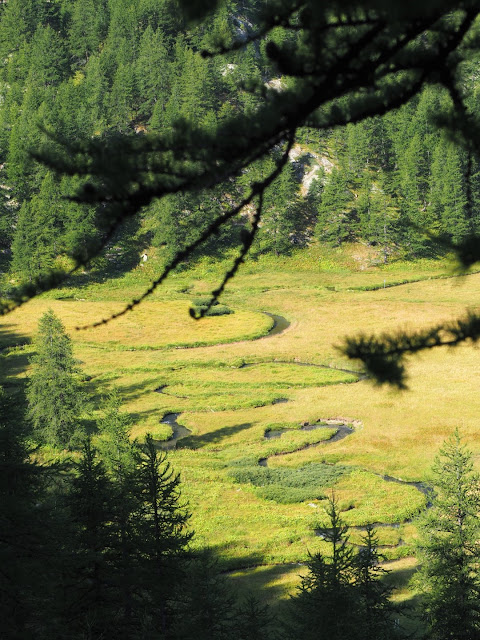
[[199, 305], [203, 302], [219, 310], [287, 485]]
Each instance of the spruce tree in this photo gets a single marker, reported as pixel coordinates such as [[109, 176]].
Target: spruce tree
[[375, 610], [205, 604], [55, 398], [28, 532], [252, 620], [120, 456], [326, 603], [337, 219], [449, 547], [147, 522], [343, 596], [162, 531], [91, 604]]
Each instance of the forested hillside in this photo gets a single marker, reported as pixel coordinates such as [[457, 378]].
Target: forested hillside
[[101, 68], [151, 464]]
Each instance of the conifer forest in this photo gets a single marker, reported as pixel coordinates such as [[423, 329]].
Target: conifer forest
[[235, 240]]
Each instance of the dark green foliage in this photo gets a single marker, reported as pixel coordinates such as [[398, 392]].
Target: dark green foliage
[[252, 620], [326, 600], [204, 607], [291, 485], [200, 305], [449, 549], [284, 215], [337, 218], [55, 397], [376, 611], [162, 532], [203, 302], [342, 595], [124, 539], [91, 602], [207, 607], [22, 541], [90, 73], [218, 310]]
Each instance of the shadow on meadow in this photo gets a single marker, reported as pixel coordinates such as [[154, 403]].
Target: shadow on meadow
[[13, 359], [272, 583], [400, 578], [101, 385], [214, 437], [11, 338]]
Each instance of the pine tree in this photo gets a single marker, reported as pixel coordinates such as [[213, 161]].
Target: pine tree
[[205, 604], [121, 458], [162, 530], [337, 219], [55, 398], [252, 620], [38, 238], [375, 610], [147, 527], [90, 603], [84, 36], [343, 595], [449, 548], [28, 541], [152, 73], [284, 216], [326, 603]]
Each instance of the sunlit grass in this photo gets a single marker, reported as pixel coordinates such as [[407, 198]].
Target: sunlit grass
[[229, 406]]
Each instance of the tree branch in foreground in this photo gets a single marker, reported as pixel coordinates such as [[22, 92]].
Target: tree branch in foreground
[[383, 356]]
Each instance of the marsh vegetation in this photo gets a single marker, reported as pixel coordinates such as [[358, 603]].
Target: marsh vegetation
[[226, 386]]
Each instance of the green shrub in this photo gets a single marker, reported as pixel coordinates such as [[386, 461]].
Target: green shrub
[[219, 310], [201, 304], [280, 426], [287, 485]]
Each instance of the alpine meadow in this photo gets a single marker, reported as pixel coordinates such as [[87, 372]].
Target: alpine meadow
[[239, 273]]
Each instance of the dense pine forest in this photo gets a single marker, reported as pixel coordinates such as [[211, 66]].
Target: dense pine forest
[[95, 540], [100, 69]]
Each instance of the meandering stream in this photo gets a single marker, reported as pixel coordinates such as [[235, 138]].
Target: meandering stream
[[343, 430], [179, 431]]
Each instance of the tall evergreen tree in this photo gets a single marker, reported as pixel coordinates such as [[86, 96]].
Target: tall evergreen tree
[[376, 612], [205, 603], [121, 458], [28, 540], [284, 215], [90, 603], [342, 595], [449, 547], [252, 620], [337, 217], [55, 397], [326, 603], [162, 531]]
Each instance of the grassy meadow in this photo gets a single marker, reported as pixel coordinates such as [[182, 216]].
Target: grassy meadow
[[231, 384]]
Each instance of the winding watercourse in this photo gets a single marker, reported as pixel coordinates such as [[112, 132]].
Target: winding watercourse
[[343, 430]]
